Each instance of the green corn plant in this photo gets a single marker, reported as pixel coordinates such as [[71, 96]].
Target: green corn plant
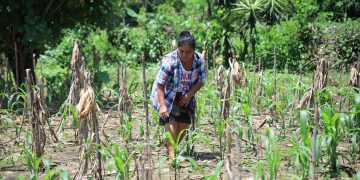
[[220, 128], [268, 84], [32, 161], [273, 157], [156, 128], [354, 148], [54, 174], [141, 128], [332, 128], [259, 171], [215, 114], [193, 138], [240, 132], [197, 137], [16, 100], [120, 158], [282, 111], [194, 165], [215, 175], [122, 162], [300, 152], [161, 162], [177, 152], [238, 127], [249, 121], [355, 117], [125, 129], [351, 122], [299, 157], [202, 99]]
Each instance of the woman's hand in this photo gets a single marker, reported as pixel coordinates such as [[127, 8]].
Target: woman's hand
[[163, 112], [185, 99]]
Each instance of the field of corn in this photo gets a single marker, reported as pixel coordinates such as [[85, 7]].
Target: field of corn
[[249, 125]]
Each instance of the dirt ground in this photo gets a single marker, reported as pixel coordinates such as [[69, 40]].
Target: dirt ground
[[65, 153]]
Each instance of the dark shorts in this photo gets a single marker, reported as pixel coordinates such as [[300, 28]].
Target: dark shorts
[[178, 114]]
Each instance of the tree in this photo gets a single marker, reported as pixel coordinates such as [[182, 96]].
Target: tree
[[342, 9], [27, 26], [249, 13], [276, 10]]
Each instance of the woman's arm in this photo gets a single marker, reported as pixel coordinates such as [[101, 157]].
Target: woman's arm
[[163, 112], [185, 99]]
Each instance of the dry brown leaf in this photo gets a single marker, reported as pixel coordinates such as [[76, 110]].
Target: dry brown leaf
[[76, 57], [86, 103], [354, 76], [305, 100]]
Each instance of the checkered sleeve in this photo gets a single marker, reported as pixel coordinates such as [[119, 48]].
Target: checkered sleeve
[[164, 73], [202, 72]]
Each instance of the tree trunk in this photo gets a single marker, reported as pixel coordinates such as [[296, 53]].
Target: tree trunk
[[246, 45], [274, 90], [209, 8], [19, 62], [227, 50], [253, 48]]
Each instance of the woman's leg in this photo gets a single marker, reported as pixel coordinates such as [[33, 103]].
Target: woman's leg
[[181, 126], [175, 128], [172, 128]]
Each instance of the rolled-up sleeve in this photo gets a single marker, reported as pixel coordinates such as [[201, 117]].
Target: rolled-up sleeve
[[164, 73], [202, 73]]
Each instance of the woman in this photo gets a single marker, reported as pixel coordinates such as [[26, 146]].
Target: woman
[[181, 75]]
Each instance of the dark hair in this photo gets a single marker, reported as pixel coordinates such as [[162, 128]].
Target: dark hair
[[185, 37]]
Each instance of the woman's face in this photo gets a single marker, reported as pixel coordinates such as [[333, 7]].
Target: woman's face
[[186, 53]]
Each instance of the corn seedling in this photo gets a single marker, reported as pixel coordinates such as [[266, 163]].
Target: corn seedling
[[33, 162], [259, 171], [141, 128], [177, 152], [121, 159], [332, 128], [215, 175], [355, 117], [125, 129], [273, 157], [300, 150], [161, 163], [281, 108], [220, 129], [249, 121], [57, 174]]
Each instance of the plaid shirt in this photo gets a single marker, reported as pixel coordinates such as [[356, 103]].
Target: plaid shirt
[[169, 75]]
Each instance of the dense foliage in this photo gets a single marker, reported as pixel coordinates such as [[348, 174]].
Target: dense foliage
[[119, 31]]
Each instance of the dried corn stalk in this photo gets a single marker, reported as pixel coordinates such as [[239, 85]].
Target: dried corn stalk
[[319, 81], [36, 127], [235, 70], [225, 94], [220, 75], [125, 102], [204, 56], [77, 82], [42, 108], [77, 74], [354, 75], [87, 117]]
